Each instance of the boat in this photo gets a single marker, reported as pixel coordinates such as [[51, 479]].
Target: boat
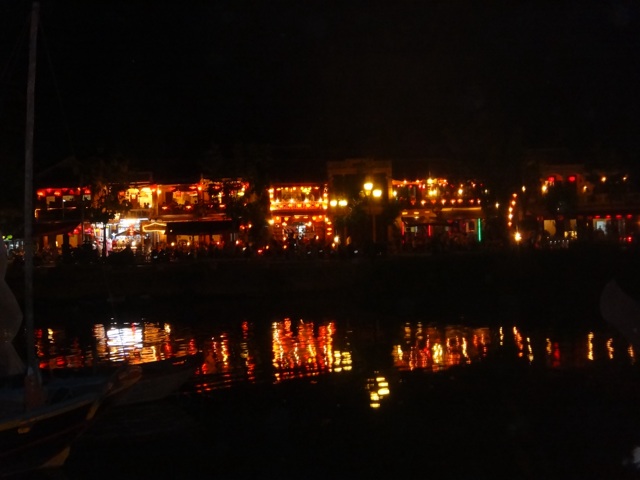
[[40, 436], [39, 421], [158, 379]]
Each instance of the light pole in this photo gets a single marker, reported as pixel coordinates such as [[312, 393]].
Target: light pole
[[338, 206], [369, 192]]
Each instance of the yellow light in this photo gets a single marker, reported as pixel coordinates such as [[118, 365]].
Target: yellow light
[[368, 186], [610, 348], [518, 237], [333, 203], [377, 193]]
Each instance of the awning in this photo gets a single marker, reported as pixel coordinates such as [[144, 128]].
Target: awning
[[155, 227], [199, 228], [128, 233], [461, 213]]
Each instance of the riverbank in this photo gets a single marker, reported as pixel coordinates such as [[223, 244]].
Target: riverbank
[[540, 282]]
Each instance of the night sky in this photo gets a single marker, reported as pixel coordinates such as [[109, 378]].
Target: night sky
[[177, 83]]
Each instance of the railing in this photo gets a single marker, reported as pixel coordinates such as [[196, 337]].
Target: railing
[[302, 206], [140, 213]]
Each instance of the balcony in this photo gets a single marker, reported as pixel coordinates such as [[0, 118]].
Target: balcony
[[302, 206], [140, 213], [610, 200]]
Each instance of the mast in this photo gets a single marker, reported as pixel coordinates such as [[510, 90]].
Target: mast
[[28, 193]]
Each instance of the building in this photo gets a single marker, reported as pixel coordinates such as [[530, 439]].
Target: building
[[298, 214]]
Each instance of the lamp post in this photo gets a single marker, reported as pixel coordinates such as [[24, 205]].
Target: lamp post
[[338, 207], [370, 192]]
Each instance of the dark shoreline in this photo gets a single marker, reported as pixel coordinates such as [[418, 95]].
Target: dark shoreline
[[543, 283]]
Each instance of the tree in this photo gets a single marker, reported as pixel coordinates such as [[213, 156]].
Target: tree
[[251, 163], [108, 179]]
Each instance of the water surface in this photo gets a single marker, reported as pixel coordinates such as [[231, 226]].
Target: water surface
[[361, 394]]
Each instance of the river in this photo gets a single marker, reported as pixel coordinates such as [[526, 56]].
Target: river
[[330, 393]]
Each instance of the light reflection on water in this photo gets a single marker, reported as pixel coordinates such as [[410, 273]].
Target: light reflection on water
[[240, 352], [300, 350], [437, 347], [431, 347], [136, 343]]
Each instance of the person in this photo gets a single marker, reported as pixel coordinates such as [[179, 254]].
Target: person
[[127, 254]]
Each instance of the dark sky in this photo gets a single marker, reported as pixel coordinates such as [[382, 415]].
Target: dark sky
[[327, 79]]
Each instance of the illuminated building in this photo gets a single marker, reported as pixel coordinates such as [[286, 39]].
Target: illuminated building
[[298, 212]]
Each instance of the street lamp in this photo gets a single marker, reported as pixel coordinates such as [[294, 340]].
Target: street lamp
[[369, 192], [338, 206]]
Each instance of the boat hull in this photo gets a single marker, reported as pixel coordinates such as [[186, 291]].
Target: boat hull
[[159, 379], [41, 437]]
